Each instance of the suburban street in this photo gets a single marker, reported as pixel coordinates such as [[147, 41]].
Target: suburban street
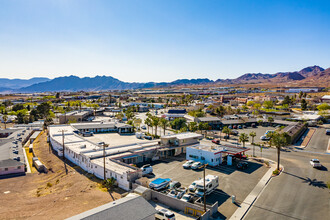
[[300, 192]]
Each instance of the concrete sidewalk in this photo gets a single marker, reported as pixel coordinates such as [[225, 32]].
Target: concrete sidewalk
[[251, 198]]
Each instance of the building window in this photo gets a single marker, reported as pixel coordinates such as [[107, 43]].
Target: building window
[[211, 160], [202, 158], [19, 167], [193, 156], [6, 169]]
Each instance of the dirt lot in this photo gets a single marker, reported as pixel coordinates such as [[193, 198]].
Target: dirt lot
[[55, 195]]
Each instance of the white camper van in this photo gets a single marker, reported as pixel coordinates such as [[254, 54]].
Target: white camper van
[[211, 183]]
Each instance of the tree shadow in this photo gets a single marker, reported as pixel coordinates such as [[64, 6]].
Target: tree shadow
[[311, 182]]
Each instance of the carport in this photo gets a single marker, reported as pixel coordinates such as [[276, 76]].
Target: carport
[[231, 151]]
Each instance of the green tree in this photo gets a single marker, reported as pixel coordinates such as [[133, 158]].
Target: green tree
[[270, 135], [226, 130], [243, 138], [164, 123], [252, 135], [43, 109], [268, 104], [5, 119], [109, 184], [280, 140], [220, 111], [155, 123], [270, 119], [148, 122], [303, 104], [178, 123], [323, 107], [192, 126]]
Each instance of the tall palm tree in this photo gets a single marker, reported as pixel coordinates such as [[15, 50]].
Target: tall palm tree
[[148, 122], [243, 138], [155, 122], [270, 135], [279, 140], [5, 119], [252, 135], [164, 123]]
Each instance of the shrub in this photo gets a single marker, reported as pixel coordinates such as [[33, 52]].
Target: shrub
[[276, 172], [49, 184], [266, 162]]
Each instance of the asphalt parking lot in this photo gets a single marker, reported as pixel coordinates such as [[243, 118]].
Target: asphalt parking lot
[[319, 141], [114, 139], [231, 181]]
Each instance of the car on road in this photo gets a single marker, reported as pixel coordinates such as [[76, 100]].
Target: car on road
[[315, 163], [242, 165], [264, 138], [216, 141], [188, 164], [164, 214], [196, 165], [186, 198], [327, 132], [192, 187]]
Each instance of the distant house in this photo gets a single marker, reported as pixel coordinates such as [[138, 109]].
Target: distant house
[[325, 98], [214, 122]]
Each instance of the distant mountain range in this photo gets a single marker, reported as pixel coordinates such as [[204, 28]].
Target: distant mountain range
[[312, 76]]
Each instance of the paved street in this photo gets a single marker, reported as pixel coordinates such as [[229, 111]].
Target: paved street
[[319, 141], [300, 192]]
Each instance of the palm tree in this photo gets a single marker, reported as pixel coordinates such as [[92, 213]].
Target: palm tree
[[252, 135], [220, 111], [279, 140], [227, 131], [192, 126], [155, 122], [164, 123], [148, 122], [110, 184], [243, 138], [270, 135], [5, 118]]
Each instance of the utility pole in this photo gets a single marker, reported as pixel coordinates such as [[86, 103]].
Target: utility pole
[[104, 173], [204, 188], [63, 145]]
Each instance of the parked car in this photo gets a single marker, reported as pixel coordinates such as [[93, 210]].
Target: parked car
[[244, 126], [186, 198], [315, 163], [196, 165], [234, 132], [216, 141], [87, 134], [164, 214], [148, 137], [253, 125], [172, 194], [188, 164], [175, 185], [143, 127], [327, 132], [242, 165], [239, 127], [146, 169], [192, 186], [230, 127], [264, 138], [235, 127]]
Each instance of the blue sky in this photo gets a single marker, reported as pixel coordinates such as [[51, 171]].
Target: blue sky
[[161, 40]]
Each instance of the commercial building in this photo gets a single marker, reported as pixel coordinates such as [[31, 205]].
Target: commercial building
[[74, 116], [213, 122], [99, 127], [213, 155]]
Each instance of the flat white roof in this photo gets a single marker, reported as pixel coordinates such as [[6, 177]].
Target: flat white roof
[[182, 136], [113, 166]]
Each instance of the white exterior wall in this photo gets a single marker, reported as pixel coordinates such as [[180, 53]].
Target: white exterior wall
[[12, 170], [211, 158]]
